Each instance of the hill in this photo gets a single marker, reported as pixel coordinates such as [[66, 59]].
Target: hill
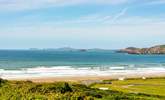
[[158, 49]]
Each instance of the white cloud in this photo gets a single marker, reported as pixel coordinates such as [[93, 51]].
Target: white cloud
[[113, 30], [93, 18], [33, 4], [112, 19], [147, 31], [155, 2], [120, 14]]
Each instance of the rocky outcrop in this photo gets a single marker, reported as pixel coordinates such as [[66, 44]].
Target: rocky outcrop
[[159, 49]]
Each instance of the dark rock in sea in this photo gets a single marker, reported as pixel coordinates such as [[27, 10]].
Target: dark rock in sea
[[83, 50], [159, 49]]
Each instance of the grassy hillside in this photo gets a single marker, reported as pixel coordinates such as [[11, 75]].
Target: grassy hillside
[[26, 90], [153, 87]]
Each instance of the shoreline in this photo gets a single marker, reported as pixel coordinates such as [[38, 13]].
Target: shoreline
[[89, 78], [67, 73]]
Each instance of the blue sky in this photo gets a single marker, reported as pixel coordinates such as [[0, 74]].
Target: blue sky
[[109, 24]]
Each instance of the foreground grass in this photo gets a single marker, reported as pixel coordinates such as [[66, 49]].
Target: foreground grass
[[27, 90], [138, 86]]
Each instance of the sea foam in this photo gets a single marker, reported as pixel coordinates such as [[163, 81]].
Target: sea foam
[[59, 71]]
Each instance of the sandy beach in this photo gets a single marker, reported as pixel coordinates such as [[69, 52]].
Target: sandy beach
[[92, 78]]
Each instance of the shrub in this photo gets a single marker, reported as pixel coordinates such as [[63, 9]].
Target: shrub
[[2, 82]]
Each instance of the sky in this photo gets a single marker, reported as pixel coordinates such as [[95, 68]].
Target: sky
[[107, 24]]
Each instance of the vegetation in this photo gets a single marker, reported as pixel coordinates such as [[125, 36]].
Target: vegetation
[[158, 49], [27, 90], [162, 46], [153, 87]]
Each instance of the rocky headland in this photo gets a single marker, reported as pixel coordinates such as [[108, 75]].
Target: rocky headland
[[158, 49]]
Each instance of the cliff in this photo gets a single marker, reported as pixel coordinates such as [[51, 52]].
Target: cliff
[[159, 49]]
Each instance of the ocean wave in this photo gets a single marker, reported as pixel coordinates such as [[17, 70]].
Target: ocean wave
[[55, 71]]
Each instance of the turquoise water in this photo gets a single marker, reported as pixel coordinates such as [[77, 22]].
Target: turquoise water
[[16, 59], [44, 63]]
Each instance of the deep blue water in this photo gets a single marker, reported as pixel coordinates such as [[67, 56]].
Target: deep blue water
[[15, 59]]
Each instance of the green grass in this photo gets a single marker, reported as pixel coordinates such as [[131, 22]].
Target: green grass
[[148, 86], [27, 90], [162, 46]]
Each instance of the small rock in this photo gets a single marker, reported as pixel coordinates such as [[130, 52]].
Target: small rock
[[121, 78], [103, 88], [143, 78]]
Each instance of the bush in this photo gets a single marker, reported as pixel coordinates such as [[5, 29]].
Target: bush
[[2, 82], [25, 90]]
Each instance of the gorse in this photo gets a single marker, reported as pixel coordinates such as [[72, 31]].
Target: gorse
[[27, 90]]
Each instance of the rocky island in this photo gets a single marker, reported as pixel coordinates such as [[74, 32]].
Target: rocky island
[[158, 49]]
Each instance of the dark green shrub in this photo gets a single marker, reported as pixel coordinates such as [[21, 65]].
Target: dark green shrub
[[2, 82]]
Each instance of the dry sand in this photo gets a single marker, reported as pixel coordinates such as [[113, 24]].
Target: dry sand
[[91, 78]]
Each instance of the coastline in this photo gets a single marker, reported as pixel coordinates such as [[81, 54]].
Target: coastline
[[90, 78], [68, 73]]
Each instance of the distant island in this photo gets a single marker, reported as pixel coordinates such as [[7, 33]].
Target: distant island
[[68, 49], [158, 49]]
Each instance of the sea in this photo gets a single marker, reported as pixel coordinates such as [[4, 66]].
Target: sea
[[54, 63]]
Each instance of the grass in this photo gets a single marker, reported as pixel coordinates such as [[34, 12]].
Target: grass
[[27, 90], [138, 86]]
